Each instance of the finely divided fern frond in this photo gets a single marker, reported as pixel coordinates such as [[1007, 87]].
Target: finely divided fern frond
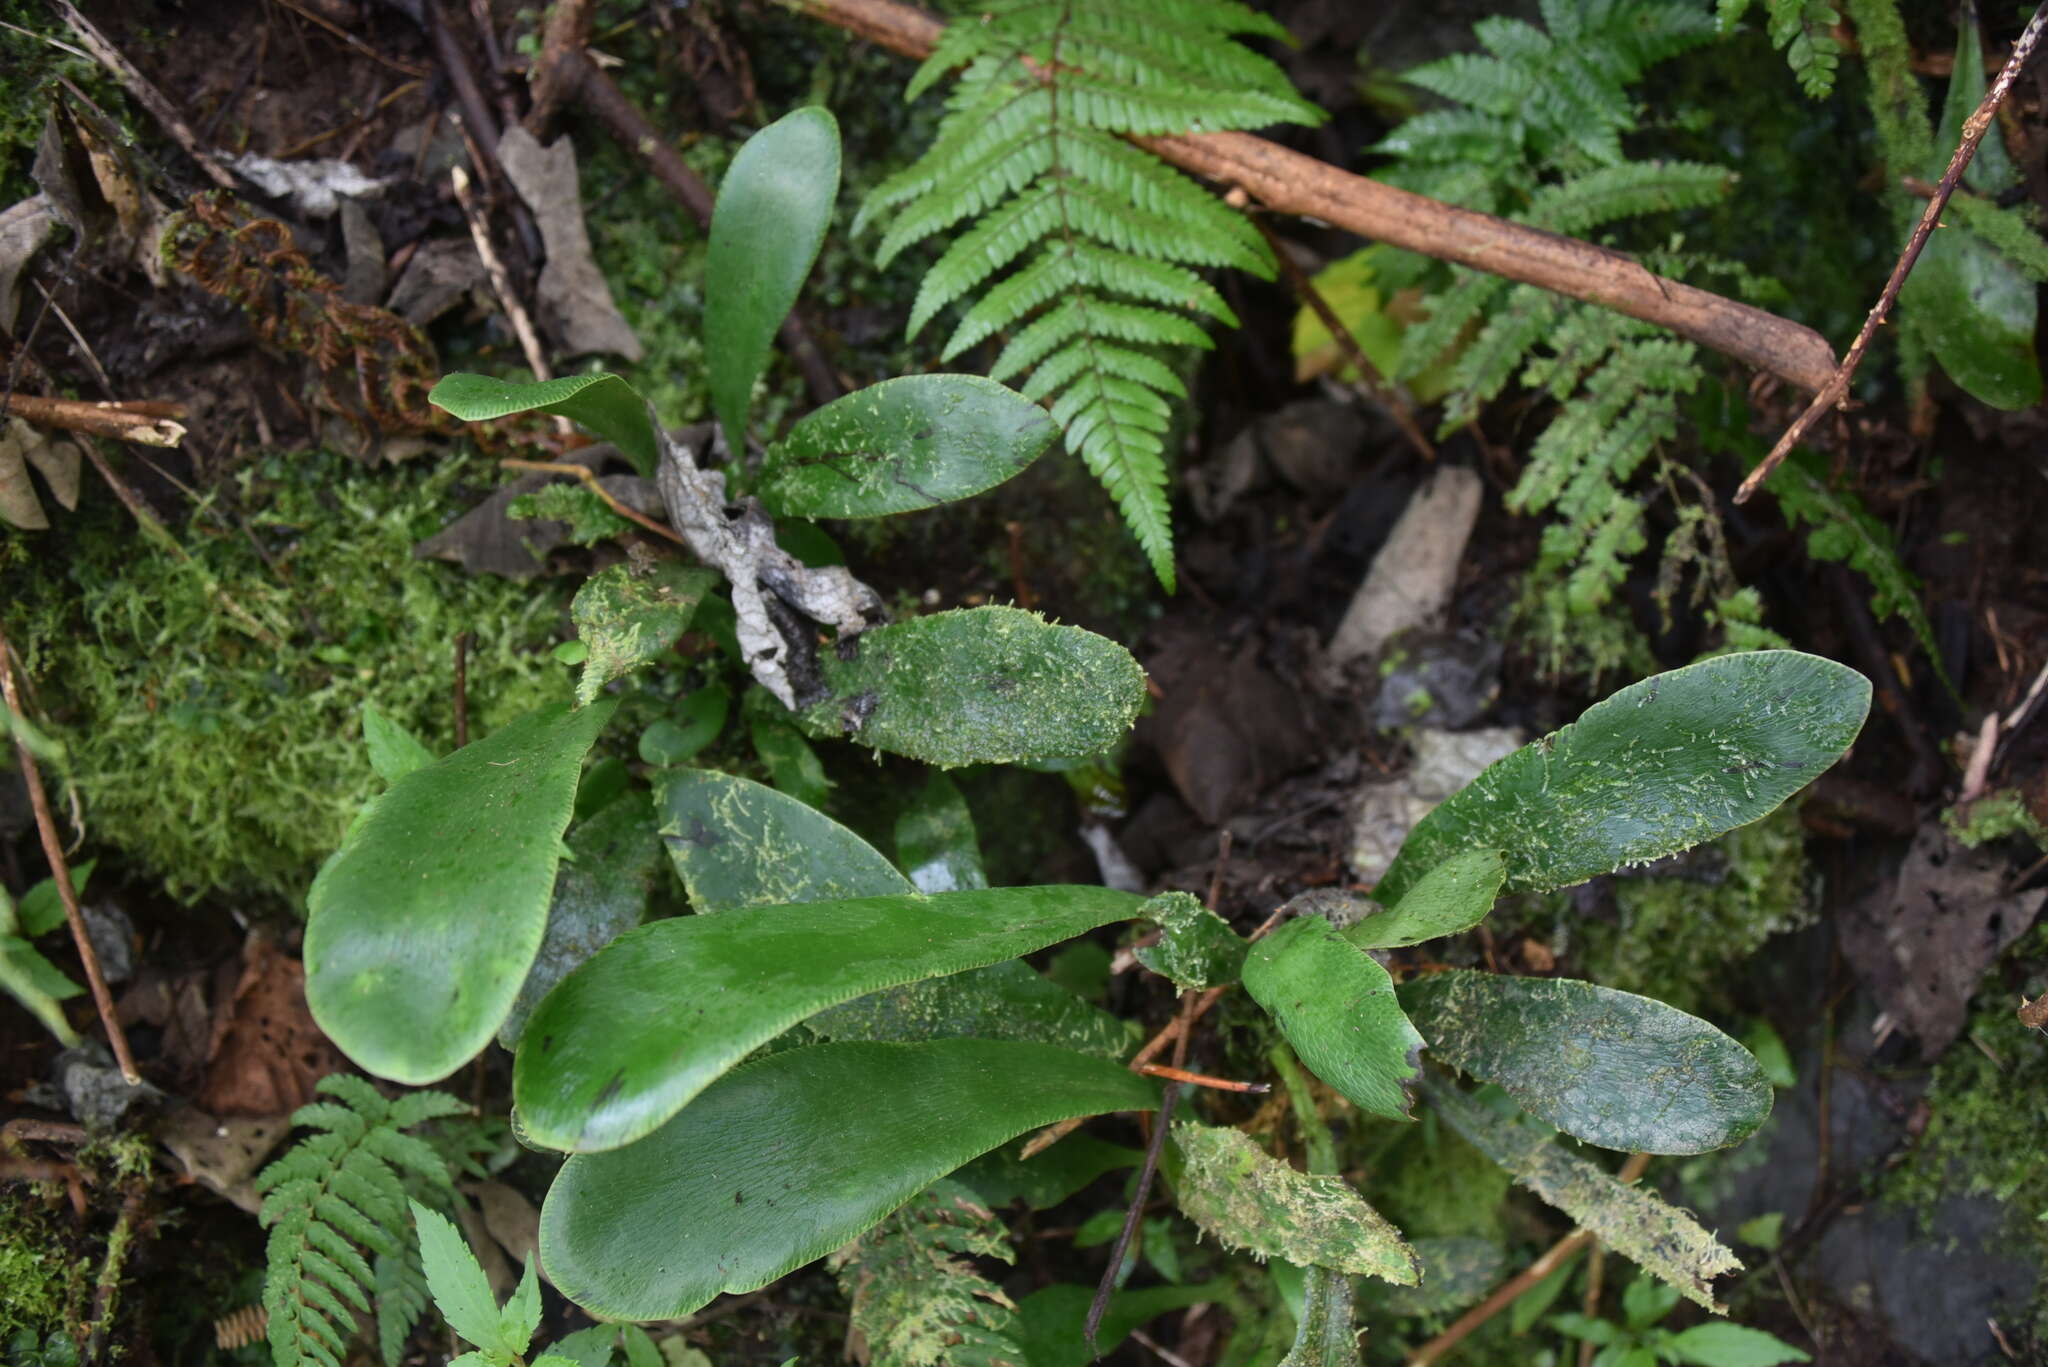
[[1539, 140], [916, 1300], [1804, 30], [334, 1195], [1093, 244]]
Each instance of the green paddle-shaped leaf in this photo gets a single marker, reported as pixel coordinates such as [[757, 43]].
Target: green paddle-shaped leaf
[[1657, 768], [737, 843], [980, 686], [904, 444], [605, 404], [1611, 1068], [784, 1160], [422, 927], [773, 207], [625, 1041], [1335, 1004], [1452, 897]]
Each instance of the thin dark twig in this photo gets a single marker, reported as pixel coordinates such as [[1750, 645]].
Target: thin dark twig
[[1169, 1095], [1974, 129], [1377, 385], [461, 689], [60, 870]]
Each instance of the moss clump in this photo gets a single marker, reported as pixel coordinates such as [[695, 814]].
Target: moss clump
[[1674, 936], [1993, 817], [1987, 1112], [220, 761], [49, 1282]]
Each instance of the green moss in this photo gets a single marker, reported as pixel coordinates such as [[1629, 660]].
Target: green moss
[[1987, 1111], [1993, 817], [1674, 937], [218, 761], [49, 1280]]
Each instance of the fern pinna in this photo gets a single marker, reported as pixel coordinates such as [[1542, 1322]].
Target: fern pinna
[[917, 1299], [334, 1195], [1109, 238], [1535, 135]]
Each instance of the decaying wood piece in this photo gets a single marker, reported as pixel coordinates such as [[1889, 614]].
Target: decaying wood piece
[[1292, 183], [772, 591], [144, 422]]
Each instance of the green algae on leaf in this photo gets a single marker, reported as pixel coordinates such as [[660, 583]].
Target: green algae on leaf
[[629, 1038], [1196, 947], [901, 445], [629, 618], [762, 1173], [1335, 1004], [989, 685], [424, 924], [1659, 1238], [773, 208], [1611, 1068], [1654, 769], [1249, 1200], [604, 403], [737, 843], [1452, 897]]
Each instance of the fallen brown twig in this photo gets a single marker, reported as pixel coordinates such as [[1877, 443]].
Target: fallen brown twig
[[60, 870], [147, 95], [146, 423], [1289, 182], [1974, 128]]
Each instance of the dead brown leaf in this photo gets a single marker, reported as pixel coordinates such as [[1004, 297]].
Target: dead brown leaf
[[1921, 944], [267, 1053]]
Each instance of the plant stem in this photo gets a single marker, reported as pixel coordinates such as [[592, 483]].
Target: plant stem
[[60, 870]]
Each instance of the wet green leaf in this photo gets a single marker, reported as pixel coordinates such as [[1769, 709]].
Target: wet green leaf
[[985, 685], [792, 764], [394, 751], [1638, 1224], [605, 404], [1452, 897], [41, 909], [424, 924], [1611, 1068], [696, 722], [37, 984], [738, 843], [1325, 1334], [627, 1040], [935, 840], [600, 893], [764, 1172], [1196, 947], [1975, 307], [1335, 1004], [1654, 769], [773, 208], [1456, 1272], [1045, 1179], [904, 444], [1050, 1320], [629, 618], [1246, 1199], [1009, 1000]]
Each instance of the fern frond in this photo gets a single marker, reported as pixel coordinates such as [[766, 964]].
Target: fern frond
[[1611, 193], [1083, 247], [401, 1296], [1486, 365], [331, 1196], [916, 1299]]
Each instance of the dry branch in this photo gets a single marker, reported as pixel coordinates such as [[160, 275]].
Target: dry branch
[[1292, 183]]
